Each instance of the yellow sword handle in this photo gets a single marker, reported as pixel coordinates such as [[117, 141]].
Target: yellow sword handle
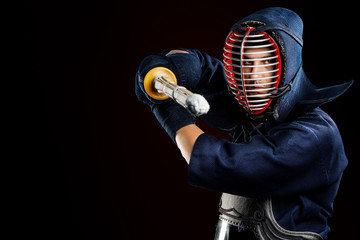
[[149, 81]]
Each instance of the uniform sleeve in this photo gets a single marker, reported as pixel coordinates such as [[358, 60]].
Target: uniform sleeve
[[212, 73], [212, 77], [293, 158], [224, 111], [204, 74]]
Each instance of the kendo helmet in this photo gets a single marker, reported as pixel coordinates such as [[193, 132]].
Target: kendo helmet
[[254, 66], [279, 86]]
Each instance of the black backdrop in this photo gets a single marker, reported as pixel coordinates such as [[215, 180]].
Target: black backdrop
[[102, 166]]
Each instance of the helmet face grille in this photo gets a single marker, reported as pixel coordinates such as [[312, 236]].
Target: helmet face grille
[[252, 66]]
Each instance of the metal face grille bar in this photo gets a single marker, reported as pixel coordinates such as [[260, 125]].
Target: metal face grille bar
[[252, 66]]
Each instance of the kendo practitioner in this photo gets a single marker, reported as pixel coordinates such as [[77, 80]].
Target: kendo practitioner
[[281, 172]]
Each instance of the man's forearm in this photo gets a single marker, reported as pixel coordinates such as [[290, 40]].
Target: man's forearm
[[185, 139]]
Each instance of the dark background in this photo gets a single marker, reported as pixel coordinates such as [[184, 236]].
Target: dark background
[[102, 167]]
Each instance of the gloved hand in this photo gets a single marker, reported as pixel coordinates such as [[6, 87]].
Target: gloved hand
[[187, 69]]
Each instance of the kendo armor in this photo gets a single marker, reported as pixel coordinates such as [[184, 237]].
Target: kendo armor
[[256, 216], [241, 51], [250, 214]]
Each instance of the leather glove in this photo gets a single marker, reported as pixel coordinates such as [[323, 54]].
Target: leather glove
[[187, 69]]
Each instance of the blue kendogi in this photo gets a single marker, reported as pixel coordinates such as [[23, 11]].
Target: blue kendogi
[[281, 172]]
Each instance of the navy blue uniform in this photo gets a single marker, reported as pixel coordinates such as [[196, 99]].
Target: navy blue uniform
[[297, 162], [293, 156]]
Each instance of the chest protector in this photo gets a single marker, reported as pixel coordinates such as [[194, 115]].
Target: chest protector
[[257, 216]]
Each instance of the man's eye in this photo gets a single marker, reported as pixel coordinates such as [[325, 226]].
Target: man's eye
[[269, 61], [247, 63]]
